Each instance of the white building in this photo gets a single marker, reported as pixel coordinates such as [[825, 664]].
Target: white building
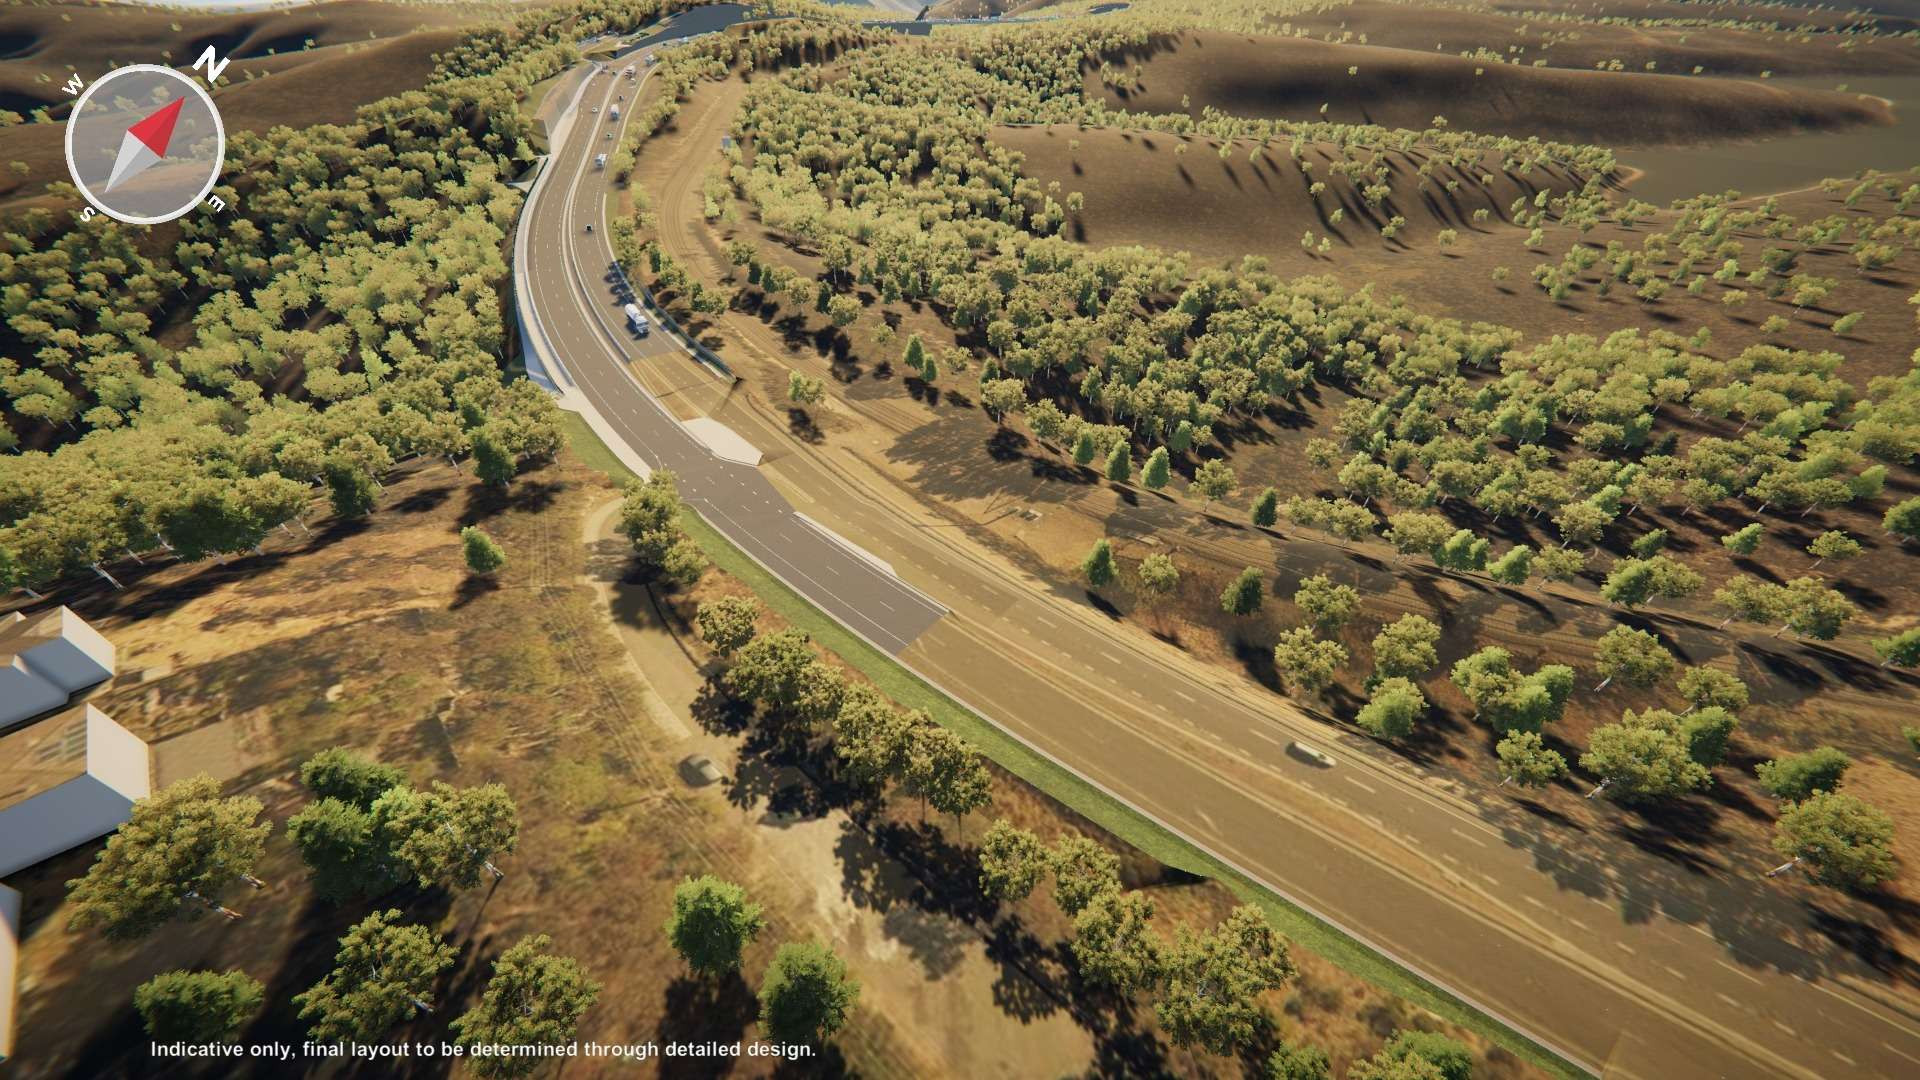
[[64, 781], [45, 659]]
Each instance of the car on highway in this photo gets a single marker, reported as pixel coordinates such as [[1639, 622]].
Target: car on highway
[[1311, 754], [596, 108]]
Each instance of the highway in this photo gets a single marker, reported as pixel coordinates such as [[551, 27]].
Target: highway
[[1615, 964]]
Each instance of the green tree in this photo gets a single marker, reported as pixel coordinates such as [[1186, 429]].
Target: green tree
[[1119, 464], [1212, 984], [348, 853], [650, 520], [1244, 595], [1644, 756], [1649, 544], [712, 924], [806, 994], [182, 843], [1157, 471], [946, 770], [1266, 508], [1525, 758], [1305, 661], [1705, 686], [382, 972], [1082, 870], [1561, 564], [1902, 649], [493, 463], [351, 489], [1113, 941], [1405, 647], [1832, 544], [1840, 840], [1746, 540], [1903, 520], [535, 998], [447, 836], [1155, 579], [197, 1006], [1392, 710], [1416, 1055], [1635, 657], [1012, 862], [1417, 532], [1812, 610], [1794, 777], [483, 555], [344, 775], [1329, 606], [1098, 567], [1214, 480], [728, 623], [1508, 700], [1514, 567], [1085, 448], [1298, 1063]]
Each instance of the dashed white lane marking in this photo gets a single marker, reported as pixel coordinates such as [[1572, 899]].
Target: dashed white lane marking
[[1363, 787], [1258, 734], [1738, 972], [1475, 841]]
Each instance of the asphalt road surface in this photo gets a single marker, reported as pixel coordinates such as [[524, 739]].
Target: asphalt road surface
[[1615, 961]]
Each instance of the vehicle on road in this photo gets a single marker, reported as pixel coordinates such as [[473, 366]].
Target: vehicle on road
[[636, 321], [1311, 754], [599, 161], [589, 226], [613, 112], [609, 134], [596, 108]]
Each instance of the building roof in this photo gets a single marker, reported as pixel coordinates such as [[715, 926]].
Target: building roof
[[42, 756], [59, 646]]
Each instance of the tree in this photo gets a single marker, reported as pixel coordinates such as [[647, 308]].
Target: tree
[[727, 624], [1266, 508], [483, 555], [1463, 551], [1082, 870], [348, 853], [804, 390], [1158, 469], [1797, 776], [650, 520], [1298, 1063], [1525, 759], [712, 924], [1213, 981], [1751, 600], [534, 999], [1305, 661], [344, 775], [776, 671], [352, 490], [1114, 943], [946, 770], [197, 1006], [1902, 649], [1832, 544], [1903, 520], [1635, 657], [1561, 564], [1746, 540], [493, 463], [1084, 448], [1098, 567], [1119, 464], [1405, 647], [1244, 594], [1707, 733], [1514, 567], [1417, 533], [381, 971], [1840, 840], [805, 995], [871, 738], [1416, 1055], [448, 835], [1155, 579], [1815, 611], [182, 843], [1213, 480], [1329, 606], [1643, 756], [1507, 700], [1705, 686], [1012, 862], [1396, 704]]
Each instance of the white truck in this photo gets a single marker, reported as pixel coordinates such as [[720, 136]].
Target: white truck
[[636, 321], [613, 113], [599, 161]]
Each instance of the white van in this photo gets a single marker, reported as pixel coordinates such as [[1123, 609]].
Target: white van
[[636, 321]]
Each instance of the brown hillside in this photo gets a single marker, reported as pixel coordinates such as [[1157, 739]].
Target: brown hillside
[[1138, 190], [1292, 78], [322, 86], [1675, 50], [39, 46]]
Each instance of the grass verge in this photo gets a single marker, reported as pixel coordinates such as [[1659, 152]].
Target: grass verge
[[1083, 798]]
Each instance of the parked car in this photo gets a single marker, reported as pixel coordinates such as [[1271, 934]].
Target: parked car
[[700, 771]]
